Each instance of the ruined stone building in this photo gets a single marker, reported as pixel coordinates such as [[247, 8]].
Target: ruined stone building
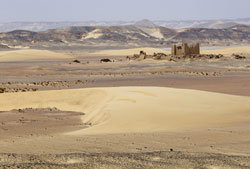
[[186, 49]]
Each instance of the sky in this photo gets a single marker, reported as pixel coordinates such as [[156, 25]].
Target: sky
[[124, 10]]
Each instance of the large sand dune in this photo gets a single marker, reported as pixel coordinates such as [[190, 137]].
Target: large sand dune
[[29, 55], [128, 52], [132, 51], [139, 109], [229, 51]]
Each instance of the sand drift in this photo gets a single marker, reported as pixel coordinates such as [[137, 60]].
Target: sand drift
[[30, 55], [138, 109]]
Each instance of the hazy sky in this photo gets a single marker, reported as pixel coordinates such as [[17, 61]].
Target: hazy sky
[[83, 10]]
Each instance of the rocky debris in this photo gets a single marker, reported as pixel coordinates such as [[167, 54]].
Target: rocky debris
[[141, 56], [2, 90], [56, 83], [15, 90], [161, 159], [13, 87], [76, 61], [4, 46], [238, 57], [33, 122], [196, 57], [50, 83], [106, 60], [159, 56], [205, 56], [163, 56], [48, 109]]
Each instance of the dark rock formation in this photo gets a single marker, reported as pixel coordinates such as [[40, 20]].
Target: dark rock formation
[[239, 57], [163, 56], [106, 60]]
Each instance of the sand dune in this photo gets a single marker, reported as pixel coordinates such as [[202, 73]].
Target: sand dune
[[28, 55], [229, 51], [127, 52], [139, 109]]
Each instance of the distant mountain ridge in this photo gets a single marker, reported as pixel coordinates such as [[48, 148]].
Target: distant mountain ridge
[[145, 23], [137, 34], [43, 26]]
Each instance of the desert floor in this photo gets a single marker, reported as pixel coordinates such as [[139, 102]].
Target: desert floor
[[57, 113]]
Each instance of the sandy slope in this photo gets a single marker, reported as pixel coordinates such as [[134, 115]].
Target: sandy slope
[[139, 109], [229, 51], [28, 55], [128, 52]]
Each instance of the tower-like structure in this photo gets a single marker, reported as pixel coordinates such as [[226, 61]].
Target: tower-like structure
[[185, 49]]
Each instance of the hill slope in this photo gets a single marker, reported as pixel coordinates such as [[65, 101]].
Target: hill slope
[[134, 34]]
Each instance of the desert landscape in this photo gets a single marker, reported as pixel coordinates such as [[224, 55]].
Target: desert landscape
[[125, 107], [164, 92]]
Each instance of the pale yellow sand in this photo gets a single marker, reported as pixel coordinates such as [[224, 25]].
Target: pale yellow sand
[[139, 109], [129, 52], [229, 51], [93, 35], [29, 55], [155, 32]]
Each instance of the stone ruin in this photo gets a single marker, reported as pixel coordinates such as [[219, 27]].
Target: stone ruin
[[143, 55], [180, 53], [175, 58], [185, 49]]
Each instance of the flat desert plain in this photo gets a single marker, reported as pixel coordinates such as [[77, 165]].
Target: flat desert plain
[[67, 109]]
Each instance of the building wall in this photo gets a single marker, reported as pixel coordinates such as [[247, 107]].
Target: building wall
[[173, 50], [185, 49], [194, 49]]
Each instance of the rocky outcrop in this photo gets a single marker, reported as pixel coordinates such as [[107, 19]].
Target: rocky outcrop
[[238, 57], [162, 56], [106, 60]]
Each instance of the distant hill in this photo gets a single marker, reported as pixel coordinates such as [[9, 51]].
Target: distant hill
[[42, 26], [213, 24], [128, 34], [145, 23], [216, 25]]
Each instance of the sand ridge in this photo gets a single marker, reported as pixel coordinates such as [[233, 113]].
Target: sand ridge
[[150, 51], [33, 54], [138, 109], [229, 51], [29, 55], [127, 52]]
